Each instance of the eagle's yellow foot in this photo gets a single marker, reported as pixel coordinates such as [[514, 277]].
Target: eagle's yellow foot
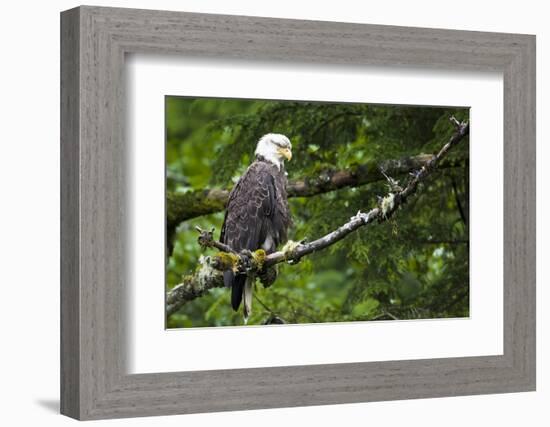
[[259, 257]]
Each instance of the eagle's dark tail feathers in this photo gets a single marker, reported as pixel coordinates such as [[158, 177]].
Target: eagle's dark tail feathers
[[237, 287], [228, 277]]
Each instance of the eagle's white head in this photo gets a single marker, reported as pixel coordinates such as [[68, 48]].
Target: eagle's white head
[[275, 148]]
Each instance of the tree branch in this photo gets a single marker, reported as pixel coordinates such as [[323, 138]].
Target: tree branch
[[185, 206], [210, 272]]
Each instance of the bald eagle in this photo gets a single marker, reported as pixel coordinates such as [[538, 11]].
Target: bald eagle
[[257, 214]]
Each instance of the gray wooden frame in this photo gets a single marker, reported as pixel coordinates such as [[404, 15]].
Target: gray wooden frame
[[94, 41]]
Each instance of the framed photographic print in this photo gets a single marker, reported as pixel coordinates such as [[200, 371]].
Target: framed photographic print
[[343, 156], [303, 212]]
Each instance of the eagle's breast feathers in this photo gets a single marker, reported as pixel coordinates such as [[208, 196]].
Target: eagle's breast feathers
[[257, 214]]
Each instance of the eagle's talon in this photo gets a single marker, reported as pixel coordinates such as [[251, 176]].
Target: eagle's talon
[[246, 257]]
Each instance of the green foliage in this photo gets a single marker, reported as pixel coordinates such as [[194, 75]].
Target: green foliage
[[413, 266]]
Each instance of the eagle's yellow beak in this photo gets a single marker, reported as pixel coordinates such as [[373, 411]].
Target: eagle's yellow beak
[[286, 153]]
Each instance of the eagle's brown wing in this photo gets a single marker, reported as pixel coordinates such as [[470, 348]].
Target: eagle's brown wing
[[251, 209]]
